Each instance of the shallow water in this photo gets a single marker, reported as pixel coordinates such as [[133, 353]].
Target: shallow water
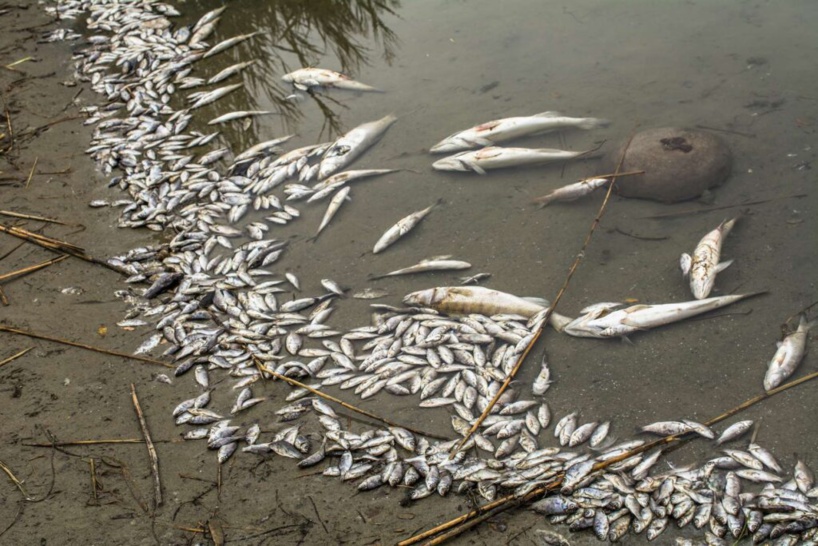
[[447, 65]]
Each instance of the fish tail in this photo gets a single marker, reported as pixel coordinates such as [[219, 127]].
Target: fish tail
[[593, 123], [543, 200], [727, 225]]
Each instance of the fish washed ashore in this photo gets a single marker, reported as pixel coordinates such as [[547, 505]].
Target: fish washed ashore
[[230, 324]]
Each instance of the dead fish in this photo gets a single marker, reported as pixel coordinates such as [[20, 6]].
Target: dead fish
[[500, 130], [437, 263], [230, 71], [734, 431], [495, 157], [474, 279], [215, 95], [228, 43], [571, 191], [348, 147], [607, 322], [238, 115], [703, 266], [332, 208], [306, 78], [370, 294], [788, 356], [401, 228], [464, 300]]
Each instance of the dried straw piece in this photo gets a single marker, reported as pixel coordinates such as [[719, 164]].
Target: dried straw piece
[[15, 357], [157, 483]]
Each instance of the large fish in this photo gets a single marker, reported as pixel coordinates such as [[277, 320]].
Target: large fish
[[306, 78], [607, 320], [704, 264], [788, 356], [464, 300], [349, 146], [500, 130], [495, 157]]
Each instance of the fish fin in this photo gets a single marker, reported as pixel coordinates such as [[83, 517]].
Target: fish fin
[[727, 225], [686, 263], [723, 265], [537, 301], [472, 166], [549, 114], [479, 141], [301, 86], [627, 340]]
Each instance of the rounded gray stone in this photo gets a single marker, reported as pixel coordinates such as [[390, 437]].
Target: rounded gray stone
[[679, 164]]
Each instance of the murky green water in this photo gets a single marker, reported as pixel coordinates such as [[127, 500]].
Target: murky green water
[[743, 69]]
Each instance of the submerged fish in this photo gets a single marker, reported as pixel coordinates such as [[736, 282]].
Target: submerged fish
[[332, 208], [438, 263], [607, 321], [306, 78], [495, 157], [464, 300], [499, 130], [349, 146], [704, 264]]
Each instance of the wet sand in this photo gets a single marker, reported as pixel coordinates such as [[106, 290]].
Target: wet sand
[[640, 65]]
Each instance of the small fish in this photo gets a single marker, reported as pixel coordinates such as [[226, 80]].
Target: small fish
[[789, 354], [465, 300], [474, 279], [495, 157], [401, 228], [703, 266], [306, 78], [215, 95], [230, 71], [149, 344], [333, 287], [499, 130], [238, 115], [228, 43], [437, 263], [734, 431], [571, 191], [332, 208]]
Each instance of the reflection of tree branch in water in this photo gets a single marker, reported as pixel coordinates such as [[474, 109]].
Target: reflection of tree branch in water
[[332, 124], [308, 30]]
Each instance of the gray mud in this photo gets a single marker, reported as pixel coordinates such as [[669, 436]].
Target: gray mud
[[744, 68]]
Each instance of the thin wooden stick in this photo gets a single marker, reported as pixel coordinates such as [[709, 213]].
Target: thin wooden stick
[[157, 483], [17, 331], [31, 173], [3, 298], [70, 443], [612, 175], [60, 246], [92, 462], [32, 268], [31, 217], [548, 313], [325, 396], [15, 357], [511, 501]]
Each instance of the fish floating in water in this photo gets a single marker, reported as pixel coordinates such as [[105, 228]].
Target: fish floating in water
[[500, 130], [789, 354], [308, 78], [703, 266], [464, 300], [437, 263], [495, 157], [608, 320], [348, 147], [401, 228], [571, 191]]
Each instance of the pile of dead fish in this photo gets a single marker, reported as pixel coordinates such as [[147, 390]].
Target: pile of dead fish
[[221, 309]]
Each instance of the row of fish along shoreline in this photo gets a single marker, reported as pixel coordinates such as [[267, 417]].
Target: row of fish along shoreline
[[211, 302]]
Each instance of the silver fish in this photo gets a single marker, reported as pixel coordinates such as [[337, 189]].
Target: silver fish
[[500, 130], [437, 263], [348, 147], [464, 300], [401, 228], [789, 354], [495, 157], [332, 208], [571, 191], [228, 43], [703, 266], [306, 78]]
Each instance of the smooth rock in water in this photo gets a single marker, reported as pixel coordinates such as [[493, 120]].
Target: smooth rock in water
[[679, 164]]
